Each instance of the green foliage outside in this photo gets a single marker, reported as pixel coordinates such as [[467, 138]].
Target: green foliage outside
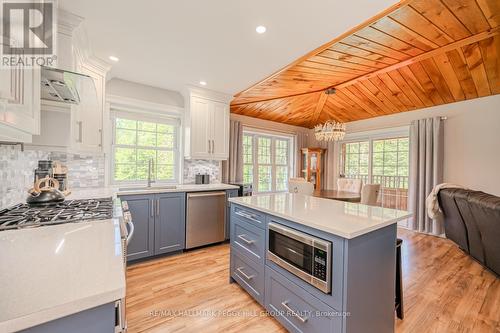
[[138, 142]]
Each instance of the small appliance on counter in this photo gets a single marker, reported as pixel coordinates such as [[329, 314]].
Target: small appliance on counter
[[244, 189], [61, 175], [202, 179], [54, 170], [44, 170]]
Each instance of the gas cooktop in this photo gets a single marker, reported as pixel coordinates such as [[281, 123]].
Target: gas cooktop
[[24, 215]]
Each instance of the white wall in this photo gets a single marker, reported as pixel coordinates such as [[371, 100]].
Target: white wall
[[119, 87], [471, 139]]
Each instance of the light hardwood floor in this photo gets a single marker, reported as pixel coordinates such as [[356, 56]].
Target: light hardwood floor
[[445, 291]]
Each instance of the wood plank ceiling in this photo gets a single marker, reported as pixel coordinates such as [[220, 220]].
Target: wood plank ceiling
[[416, 54]]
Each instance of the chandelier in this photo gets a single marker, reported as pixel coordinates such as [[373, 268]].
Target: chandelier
[[330, 131]]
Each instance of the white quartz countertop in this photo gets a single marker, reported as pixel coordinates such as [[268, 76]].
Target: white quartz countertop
[[178, 188], [344, 219], [88, 193], [54, 271]]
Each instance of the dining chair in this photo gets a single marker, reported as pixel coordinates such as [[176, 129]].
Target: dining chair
[[349, 185], [301, 187], [369, 194], [298, 179]]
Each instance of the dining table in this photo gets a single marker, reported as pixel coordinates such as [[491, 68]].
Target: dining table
[[338, 195]]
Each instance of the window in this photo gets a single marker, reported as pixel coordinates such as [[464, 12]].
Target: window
[[136, 142], [266, 161], [391, 162], [356, 157], [380, 161]]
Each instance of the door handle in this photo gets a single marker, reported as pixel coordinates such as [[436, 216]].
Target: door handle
[[100, 137], [242, 237], [213, 146], [248, 216], [152, 208], [295, 314], [157, 207], [131, 231], [240, 270], [209, 146]]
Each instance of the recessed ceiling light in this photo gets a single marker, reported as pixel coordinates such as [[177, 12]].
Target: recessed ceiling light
[[113, 58], [203, 83], [260, 29]]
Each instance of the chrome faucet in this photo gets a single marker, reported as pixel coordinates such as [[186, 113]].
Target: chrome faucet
[[150, 171]]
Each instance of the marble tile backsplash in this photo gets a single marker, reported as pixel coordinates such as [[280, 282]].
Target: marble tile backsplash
[[16, 171], [84, 171], [194, 167]]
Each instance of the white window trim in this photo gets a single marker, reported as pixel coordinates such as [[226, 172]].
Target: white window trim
[[145, 115], [273, 135]]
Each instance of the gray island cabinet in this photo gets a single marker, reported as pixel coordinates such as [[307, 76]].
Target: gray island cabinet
[[362, 254]]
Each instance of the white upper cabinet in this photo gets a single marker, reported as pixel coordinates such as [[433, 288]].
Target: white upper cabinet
[[220, 127], [88, 116], [76, 128], [19, 103], [207, 125]]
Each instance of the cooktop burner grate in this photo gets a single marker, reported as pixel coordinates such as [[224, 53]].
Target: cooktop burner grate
[[24, 215]]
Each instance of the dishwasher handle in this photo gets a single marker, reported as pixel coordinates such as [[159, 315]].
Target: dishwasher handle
[[205, 194]]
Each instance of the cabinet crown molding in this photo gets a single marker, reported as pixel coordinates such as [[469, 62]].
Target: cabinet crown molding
[[67, 22], [207, 94]]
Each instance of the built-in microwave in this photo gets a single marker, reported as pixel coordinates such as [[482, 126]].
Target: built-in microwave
[[303, 255]]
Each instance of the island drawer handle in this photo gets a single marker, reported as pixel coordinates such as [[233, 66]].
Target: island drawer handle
[[295, 314], [242, 237], [248, 216], [240, 270]]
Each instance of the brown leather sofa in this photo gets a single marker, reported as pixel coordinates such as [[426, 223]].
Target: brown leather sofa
[[472, 221]]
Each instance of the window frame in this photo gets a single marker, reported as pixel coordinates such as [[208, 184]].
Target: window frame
[[370, 141], [158, 119], [255, 163]]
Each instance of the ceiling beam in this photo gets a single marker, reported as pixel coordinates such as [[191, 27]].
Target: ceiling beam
[[330, 43], [443, 49], [318, 109]]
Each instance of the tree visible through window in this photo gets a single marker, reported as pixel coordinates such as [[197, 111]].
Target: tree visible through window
[[356, 159], [380, 161], [136, 143], [266, 162]]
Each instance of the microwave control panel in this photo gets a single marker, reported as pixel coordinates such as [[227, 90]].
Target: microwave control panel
[[320, 257]]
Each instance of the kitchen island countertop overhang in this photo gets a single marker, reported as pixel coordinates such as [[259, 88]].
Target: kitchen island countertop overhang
[[344, 219]]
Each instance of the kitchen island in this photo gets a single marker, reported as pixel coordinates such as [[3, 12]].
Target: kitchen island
[[317, 265]]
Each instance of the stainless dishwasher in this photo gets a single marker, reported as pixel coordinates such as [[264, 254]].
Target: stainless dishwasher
[[205, 218]]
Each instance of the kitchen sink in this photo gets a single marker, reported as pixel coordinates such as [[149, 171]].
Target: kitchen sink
[[146, 188]]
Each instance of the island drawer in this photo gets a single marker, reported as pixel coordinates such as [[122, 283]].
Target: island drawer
[[296, 309], [248, 239], [249, 274], [249, 215]]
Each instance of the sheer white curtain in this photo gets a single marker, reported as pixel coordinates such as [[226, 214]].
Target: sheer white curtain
[[300, 142], [232, 169], [426, 171]]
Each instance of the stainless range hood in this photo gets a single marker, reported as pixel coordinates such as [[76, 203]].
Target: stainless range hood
[[67, 87]]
